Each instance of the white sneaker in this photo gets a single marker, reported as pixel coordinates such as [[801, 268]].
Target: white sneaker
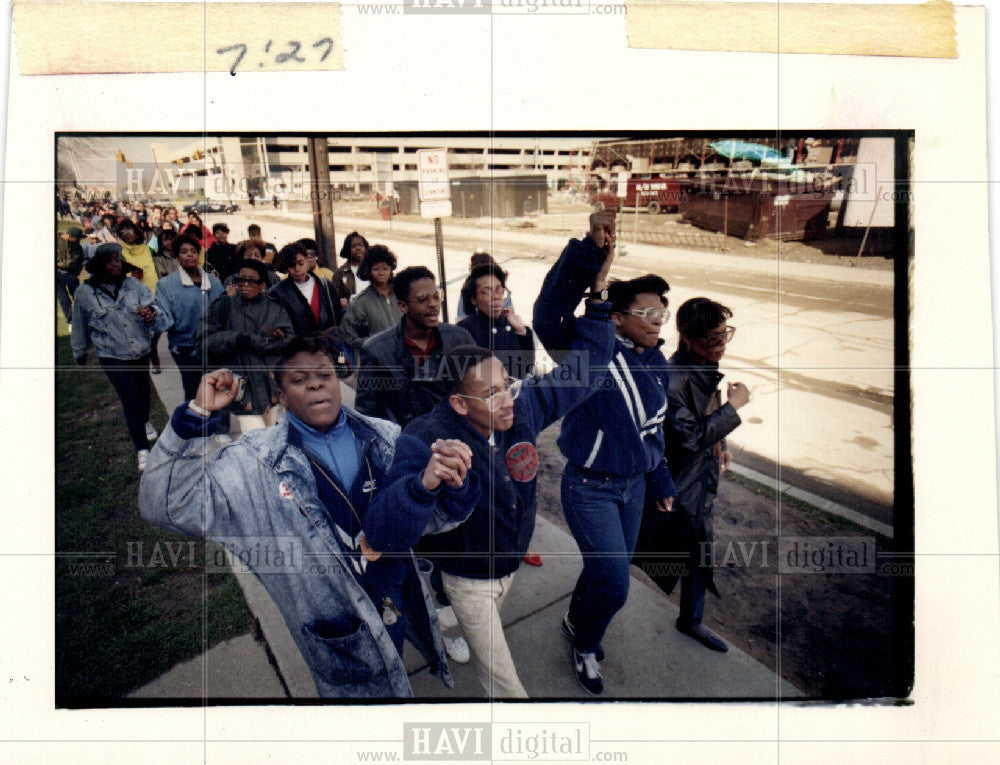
[[151, 433], [447, 618], [457, 649], [142, 457], [222, 439], [588, 671]]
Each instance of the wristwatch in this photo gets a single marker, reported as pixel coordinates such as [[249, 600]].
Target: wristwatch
[[600, 295]]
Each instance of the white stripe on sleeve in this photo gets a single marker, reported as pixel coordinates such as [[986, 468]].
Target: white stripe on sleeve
[[597, 447]]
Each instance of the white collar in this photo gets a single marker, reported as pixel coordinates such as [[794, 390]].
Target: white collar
[[187, 281], [624, 341]]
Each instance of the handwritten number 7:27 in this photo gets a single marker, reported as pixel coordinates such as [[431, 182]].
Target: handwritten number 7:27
[[293, 52]]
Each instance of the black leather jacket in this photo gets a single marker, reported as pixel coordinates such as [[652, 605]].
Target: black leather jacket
[[393, 386], [697, 423]]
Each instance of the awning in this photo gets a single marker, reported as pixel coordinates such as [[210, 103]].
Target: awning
[[752, 151]]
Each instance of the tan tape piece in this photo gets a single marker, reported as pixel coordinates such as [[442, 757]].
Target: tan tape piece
[[61, 37], [924, 31]]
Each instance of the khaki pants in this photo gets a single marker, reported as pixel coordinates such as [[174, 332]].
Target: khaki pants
[[477, 605], [248, 422]]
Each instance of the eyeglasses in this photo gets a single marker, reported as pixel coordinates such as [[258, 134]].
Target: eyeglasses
[[718, 338], [247, 280], [651, 314], [495, 401], [426, 297], [493, 291]]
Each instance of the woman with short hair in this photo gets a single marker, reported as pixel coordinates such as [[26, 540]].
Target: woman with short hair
[[347, 280], [493, 326], [137, 252], [243, 333], [310, 300], [376, 308], [163, 259]]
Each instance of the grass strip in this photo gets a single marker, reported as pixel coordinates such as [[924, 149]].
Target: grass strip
[[131, 600]]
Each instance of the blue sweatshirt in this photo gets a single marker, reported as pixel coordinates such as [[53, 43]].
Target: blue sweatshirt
[[501, 496], [619, 431]]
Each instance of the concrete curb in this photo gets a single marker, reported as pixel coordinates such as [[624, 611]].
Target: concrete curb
[[816, 501]]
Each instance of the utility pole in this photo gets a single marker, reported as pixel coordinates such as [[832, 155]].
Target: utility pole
[[321, 196]]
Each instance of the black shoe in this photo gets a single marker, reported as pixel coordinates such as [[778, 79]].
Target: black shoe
[[703, 635], [570, 634], [588, 671]]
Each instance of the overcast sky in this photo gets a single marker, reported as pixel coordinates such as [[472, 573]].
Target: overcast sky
[[96, 155]]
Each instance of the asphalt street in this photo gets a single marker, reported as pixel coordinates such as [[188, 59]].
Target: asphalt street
[[814, 341]]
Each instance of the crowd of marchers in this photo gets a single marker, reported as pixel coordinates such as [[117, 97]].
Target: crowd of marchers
[[420, 500]]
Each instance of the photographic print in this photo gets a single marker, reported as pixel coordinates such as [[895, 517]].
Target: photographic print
[[801, 240], [676, 321]]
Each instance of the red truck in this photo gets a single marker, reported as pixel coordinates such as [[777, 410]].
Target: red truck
[[654, 194]]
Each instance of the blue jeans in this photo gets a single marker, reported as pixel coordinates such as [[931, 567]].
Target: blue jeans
[[604, 513], [131, 381], [188, 360]]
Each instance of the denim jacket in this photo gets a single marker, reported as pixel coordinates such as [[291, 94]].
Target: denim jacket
[[111, 324], [259, 493]]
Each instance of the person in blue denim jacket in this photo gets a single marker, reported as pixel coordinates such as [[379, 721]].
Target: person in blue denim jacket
[[305, 487], [114, 313]]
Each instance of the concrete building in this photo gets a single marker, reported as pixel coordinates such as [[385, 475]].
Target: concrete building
[[234, 167]]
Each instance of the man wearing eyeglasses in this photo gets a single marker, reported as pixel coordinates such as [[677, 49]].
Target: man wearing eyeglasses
[[402, 375], [697, 425], [499, 419]]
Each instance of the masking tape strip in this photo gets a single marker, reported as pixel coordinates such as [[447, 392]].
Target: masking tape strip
[[63, 37], [924, 31]]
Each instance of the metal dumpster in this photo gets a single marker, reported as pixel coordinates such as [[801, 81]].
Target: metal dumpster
[[752, 207]]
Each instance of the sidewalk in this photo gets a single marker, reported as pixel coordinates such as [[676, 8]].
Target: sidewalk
[[646, 657], [556, 241]]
